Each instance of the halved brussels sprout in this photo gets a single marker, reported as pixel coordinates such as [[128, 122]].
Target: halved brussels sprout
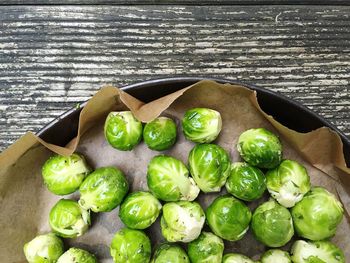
[[68, 219], [201, 125], [236, 258], [63, 175], [272, 224], [260, 147], [316, 252], [168, 179], [44, 248], [317, 215], [228, 217], [276, 255], [77, 255], [122, 130], [139, 210], [103, 190], [129, 245], [246, 182], [207, 248], [182, 221], [288, 182], [160, 134], [167, 253], [209, 166]]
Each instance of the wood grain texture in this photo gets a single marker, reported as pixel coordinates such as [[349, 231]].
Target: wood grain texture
[[52, 57]]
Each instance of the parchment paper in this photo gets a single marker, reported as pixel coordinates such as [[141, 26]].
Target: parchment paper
[[25, 202]]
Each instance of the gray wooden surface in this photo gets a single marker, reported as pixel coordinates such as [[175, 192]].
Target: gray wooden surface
[[52, 57]]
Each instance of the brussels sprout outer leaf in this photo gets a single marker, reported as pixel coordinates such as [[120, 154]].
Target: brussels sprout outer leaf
[[43, 248], [122, 130], [130, 246], [167, 253], [246, 182], [207, 248], [139, 210], [288, 183], [272, 224], [260, 147], [168, 180], [68, 219], [276, 255], [103, 190], [236, 258], [228, 218], [63, 175], [317, 215], [316, 252], [209, 166], [160, 134], [77, 255], [201, 125]]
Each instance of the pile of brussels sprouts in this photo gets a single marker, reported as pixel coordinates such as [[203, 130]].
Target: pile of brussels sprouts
[[294, 207]]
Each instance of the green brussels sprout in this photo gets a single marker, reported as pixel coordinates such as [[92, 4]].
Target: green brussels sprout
[[272, 224], [129, 245], [63, 175], [201, 125], [182, 221], [228, 217], [209, 166], [168, 179], [246, 182], [276, 255], [167, 253], [288, 183], [139, 210], [103, 190], [317, 215], [122, 130], [207, 248], [316, 252], [260, 147], [77, 255], [160, 134], [236, 258], [43, 249], [68, 219]]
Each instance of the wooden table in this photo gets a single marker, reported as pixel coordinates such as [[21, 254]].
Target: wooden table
[[54, 54]]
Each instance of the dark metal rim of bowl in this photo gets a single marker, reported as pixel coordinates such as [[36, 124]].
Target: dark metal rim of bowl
[[287, 111]]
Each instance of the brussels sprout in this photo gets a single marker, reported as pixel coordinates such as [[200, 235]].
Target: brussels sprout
[[129, 245], [316, 252], [228, 217], [139, 210], [168, 179], [209, 166], [122, 130], [276, 255], [288, 183], [182, 221], [246, 182], [63, 175], [44, 249], [260, 147], [272, 224], [68, 219], [77, 255], [317, 215], [160, 134], [207, 248], [167, 253], [103, 190], [236, 258], [201, 125]]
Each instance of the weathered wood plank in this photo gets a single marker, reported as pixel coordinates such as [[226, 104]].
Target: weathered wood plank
[[52, 57]]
